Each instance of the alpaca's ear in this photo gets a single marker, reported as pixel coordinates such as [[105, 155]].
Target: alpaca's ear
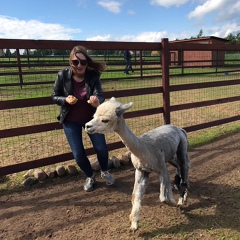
[[112, 99], [121, 109]]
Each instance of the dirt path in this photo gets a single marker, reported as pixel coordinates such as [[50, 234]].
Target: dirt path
[[61, 210]]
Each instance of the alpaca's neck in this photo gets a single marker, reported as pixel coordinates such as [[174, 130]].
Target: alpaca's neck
[[129, 139]]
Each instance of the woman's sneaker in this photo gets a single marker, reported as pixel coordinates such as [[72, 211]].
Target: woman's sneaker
[[108, 178], [88, 186]]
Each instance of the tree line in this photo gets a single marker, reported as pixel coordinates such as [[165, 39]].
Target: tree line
[[232, 38]]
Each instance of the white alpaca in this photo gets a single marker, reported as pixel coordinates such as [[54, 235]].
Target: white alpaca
[[149, 152]]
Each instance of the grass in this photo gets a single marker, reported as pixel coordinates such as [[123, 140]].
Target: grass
[[13, 149], [31, 91], [196, 139], [40, 145], [12, 183], [210, 135], [44, 144]]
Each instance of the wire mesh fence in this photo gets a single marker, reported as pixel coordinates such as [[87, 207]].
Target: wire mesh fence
[[36, 82]]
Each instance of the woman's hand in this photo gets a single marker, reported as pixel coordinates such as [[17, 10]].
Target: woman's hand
[[71, 100], [93, 100]]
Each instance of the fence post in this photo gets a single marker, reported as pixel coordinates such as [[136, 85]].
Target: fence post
[[165, 80], [141, 64], [19, 67]]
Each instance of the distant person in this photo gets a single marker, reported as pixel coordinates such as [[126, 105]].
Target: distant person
[[127, 59], [78, 91]]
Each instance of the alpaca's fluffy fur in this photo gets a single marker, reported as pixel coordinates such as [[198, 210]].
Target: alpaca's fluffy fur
[[149, 152]]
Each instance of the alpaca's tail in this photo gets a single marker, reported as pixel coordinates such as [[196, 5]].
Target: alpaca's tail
[[183, 158], [185, 133], [184, 165]]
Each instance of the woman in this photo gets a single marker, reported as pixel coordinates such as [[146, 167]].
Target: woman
[[78, 91]]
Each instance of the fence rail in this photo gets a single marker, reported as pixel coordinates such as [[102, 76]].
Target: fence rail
[[160, 74]]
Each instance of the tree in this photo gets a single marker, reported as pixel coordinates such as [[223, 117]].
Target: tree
[[231, 38], [238, 38], [200, 34], [8, 53]]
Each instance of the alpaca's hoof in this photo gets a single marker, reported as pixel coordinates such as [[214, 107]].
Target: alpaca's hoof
[[134, 226], [185, 196], [134, 223], [182, 200], [170, 202]]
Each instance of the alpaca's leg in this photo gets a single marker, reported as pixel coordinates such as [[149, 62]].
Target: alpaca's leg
[[177, 181], [140, 185], [184, 171], [166, 188], [177, 178]]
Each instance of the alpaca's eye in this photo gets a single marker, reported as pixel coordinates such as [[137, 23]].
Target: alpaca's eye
[[105, 121]]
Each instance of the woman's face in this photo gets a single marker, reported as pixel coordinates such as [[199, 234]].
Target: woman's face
[[79, 64]]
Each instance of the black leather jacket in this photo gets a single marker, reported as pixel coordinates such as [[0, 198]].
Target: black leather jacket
[[63, 88]]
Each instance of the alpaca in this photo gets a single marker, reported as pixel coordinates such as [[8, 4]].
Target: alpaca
[[149, 152]]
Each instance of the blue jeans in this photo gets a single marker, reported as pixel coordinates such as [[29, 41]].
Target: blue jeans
[[73, 132], [128, 65]]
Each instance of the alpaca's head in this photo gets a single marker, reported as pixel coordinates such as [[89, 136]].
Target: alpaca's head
[[107, 116]]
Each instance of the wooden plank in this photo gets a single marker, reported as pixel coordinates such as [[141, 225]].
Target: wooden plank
[[50, 160]]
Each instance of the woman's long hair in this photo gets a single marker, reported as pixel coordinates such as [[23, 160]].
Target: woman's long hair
[[91, 64]]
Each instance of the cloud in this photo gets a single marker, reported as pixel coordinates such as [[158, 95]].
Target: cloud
[[100, 38], [131, 12], [222, 31], [208, 7], [150, 36], [168, 3], [82, 3], [230, 12], [141, 37], [111, 6], [224, 10], [33, 29]]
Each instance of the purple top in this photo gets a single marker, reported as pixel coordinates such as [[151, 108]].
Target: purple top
[[81, 111]]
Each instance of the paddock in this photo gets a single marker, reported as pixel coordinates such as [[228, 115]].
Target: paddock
[[60, 209]]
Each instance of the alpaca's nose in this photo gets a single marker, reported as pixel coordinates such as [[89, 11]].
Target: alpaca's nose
[[87, 126]]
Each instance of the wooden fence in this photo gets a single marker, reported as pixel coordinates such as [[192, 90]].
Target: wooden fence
[[164, 71]]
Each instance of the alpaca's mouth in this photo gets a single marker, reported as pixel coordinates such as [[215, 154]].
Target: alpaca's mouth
[[88, 130]]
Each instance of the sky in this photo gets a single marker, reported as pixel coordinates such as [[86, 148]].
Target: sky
[[118, 20]]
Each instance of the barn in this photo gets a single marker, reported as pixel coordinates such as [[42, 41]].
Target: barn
[[199, 58]]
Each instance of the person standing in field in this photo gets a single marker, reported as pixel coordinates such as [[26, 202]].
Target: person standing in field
[[127, 59], [78, 91]]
